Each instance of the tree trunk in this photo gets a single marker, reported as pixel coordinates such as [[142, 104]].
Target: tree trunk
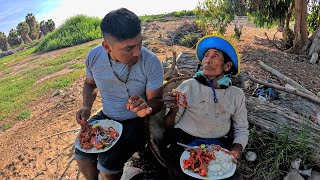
[[26, 39], [287, 112], [315, 46], [300, 27]]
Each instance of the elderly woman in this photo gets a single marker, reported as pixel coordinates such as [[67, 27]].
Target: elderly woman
[[212, 109]]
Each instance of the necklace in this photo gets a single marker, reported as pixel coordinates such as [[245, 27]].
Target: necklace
[[127, 77]]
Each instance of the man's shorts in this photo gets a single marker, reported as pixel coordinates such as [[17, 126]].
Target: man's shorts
[[133, 138]]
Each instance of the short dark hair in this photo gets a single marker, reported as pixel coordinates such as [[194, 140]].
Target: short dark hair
[[121, 24]]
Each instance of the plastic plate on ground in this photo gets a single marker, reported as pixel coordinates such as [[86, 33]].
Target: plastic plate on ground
[[105, 124]]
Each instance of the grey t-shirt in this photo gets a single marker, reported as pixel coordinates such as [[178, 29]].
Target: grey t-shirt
[[146, 74]]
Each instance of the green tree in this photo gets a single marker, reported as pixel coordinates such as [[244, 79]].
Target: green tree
[[314, 16], [33, 26], [23, 30], [50, 25], [3, 42], [14, 38], [46, 27], [43, 28], [214, 15], [268, 12]]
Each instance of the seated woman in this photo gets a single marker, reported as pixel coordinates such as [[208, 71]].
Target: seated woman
[[213, 106]]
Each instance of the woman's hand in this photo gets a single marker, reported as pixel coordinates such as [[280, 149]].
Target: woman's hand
[[170, 100], [139, 106], [236, 151]]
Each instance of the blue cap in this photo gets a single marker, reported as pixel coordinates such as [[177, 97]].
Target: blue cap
[[221, 44]]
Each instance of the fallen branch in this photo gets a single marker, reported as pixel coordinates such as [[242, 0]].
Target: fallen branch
[[62, 152], [286, 79], [64, 172], [175, 79], [273, 42], [168, 74], [281, 88], [78, 175], [56, 134]]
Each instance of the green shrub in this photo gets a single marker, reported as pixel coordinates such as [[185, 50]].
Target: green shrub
[[276, 152], [76, 30], [6, 126], [24, 114], [190, 40]]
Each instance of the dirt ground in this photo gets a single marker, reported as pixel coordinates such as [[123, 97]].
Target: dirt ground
[[24, 157]]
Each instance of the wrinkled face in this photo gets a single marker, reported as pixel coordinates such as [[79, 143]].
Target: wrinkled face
[[126, 51], [213, 63]]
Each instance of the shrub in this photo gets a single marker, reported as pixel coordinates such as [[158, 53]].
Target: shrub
[[76, 30]]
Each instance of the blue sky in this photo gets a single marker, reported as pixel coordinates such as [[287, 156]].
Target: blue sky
[[13, 12]]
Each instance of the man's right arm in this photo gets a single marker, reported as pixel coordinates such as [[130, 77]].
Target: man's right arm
[[89, 95]]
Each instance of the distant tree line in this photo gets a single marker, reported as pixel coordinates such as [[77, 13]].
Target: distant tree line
[[26, 32]]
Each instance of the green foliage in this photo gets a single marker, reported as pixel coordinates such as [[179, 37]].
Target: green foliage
[[24, 114], [190, 40], [33, 26], [314, 16], [46, 27], [23, 28], [3, 42], [77, 66], [15, 57], [265, 13], [13, 38], [18, 90], [237, 31], [60, 82], [215, 14], [276, 152], [76, 30], [6, 126], [147, 18]]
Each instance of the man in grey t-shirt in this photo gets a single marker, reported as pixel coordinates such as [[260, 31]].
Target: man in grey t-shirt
[[129, 78]]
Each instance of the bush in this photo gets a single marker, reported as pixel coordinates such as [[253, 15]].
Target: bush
[[190, 40], [76, 30], [276, 152], [24, 114]]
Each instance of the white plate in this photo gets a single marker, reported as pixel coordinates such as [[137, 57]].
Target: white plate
[[186, 155], [104, 124]]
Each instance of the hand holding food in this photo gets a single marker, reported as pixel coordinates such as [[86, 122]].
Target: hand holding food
[[139, 106], [82, 114]]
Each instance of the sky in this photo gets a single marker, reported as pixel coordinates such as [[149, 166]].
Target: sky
[[12, 12]]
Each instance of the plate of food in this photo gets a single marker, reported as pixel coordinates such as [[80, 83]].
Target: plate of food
[[209, 162], [98, 136]]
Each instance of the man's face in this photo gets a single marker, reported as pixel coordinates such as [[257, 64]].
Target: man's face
[[213, 63], [126, 51]]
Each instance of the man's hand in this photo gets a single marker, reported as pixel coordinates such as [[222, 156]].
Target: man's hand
[[139, 106], [83, 114]]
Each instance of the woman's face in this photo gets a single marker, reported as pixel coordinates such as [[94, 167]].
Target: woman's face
[[213, 63]]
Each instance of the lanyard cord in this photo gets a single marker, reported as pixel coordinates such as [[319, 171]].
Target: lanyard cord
[[214, 92], [127, 77]]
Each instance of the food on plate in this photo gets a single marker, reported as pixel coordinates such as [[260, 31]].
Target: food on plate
[[209, 160], [96, 136]]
